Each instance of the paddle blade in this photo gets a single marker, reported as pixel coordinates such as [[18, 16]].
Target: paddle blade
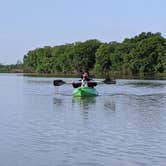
[[58, 82], [76, 84], [109, 81]]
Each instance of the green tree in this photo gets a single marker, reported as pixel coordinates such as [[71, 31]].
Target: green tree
[[84, 54]]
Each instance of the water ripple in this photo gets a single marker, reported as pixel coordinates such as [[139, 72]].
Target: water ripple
[[44, 125]]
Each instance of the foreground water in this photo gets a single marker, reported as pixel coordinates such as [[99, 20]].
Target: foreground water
[[42, 125]]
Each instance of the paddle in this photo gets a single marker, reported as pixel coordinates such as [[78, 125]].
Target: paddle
[[75, 85], [59, 82], [109, 81]]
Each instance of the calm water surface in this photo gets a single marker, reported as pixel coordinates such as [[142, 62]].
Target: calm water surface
[[43, 125]]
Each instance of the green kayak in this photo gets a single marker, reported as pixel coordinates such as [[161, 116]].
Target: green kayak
[[85, 91]]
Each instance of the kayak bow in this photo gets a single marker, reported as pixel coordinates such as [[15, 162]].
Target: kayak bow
[[84, 91]]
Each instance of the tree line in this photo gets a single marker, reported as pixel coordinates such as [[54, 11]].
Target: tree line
[[144, 53], [13, 68]]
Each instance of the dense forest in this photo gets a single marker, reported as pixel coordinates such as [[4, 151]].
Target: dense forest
[[144, 53]]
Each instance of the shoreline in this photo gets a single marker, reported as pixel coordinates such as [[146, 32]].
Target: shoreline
[[160, 76]]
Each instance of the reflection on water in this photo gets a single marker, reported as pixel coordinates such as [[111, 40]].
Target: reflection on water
[[57, 101], [85, 105], [109, 105], [84, 102]]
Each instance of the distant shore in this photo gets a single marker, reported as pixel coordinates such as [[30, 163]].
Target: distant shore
[[161, 76]]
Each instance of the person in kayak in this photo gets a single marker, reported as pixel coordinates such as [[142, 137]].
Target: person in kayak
[[85, 81]]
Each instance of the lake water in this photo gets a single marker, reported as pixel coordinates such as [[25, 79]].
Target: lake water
[[43, 125]]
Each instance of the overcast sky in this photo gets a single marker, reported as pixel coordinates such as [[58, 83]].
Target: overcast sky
[[26, 25]]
